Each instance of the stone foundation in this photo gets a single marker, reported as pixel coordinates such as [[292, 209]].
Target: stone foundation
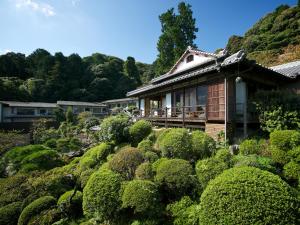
[[213, 129]]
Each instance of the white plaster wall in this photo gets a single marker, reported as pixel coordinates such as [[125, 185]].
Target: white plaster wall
[[241, 95], [142, 106], [169, 103]]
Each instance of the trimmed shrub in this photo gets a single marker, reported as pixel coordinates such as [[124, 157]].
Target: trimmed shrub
[[85, 175], [225, 156], [291, 170], [160, 135], [177, 143], [294, 154], [285, 140], [41, 160], [115, 128], [175, 176], [145, 145], [203, 145], [142, 196], [184, 211], [208, 169], [146, 222], [250, 146], [157, 163], [126, 161], [62, 145], [248, 195], [144, 171], [279, 155], [139, 130], [101, 197], [46, 217], [51, 143], [35, 208], [9, 214], [263, 163], [150, 156], [70, 203]]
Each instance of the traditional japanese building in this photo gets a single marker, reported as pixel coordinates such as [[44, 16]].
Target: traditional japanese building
[[212, 92]]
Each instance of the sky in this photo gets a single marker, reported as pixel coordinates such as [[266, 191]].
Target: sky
[[119, 27]]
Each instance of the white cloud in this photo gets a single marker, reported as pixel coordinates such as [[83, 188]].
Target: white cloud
[[36, 6], [3, 52]]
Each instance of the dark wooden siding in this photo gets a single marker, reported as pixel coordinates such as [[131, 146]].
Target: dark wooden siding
[[216, 101]]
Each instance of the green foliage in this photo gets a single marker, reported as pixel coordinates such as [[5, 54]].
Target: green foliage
[[203, 145], [9, 214], [157, 163], [51, 143], [223, 155], [150, 156], [175, 177], [68, 144], [101, 195], [46, 217], [142, 196], [35, 208], [234, 44], [144, 171], [126, 161], [252, 196], [10, 139], [177, 143], [291, 170], [250, 146], [285, 139], [114, 128], [184, 212], [178, 32], [131, 69], [70, 118], [145, 145], [40, 132], [70, 203], [208, 169], [139, 130]]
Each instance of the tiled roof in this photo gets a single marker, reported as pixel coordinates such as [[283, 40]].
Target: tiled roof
[[291, 69], [120, 100], [29, 104], [72, 103]]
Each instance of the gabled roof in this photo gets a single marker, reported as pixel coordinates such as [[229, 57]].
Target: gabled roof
[[72, 103], [29, 104], [291, 69], [119, 100]]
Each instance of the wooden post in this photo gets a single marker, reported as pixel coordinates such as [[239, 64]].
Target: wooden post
[[245, 116], [183, 109], [225, 119], [166, 117]]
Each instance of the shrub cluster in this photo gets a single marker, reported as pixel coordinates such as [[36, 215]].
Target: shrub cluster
[[70, 203], [139, 130], [203, 145], [9, 214], [250, 146], [144, 171]]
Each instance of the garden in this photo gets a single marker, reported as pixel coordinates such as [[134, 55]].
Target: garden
[[130, 173]]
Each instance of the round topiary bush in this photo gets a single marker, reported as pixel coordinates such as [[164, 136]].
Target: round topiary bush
[[35, 208], [249, 147], [142, 196], [126, 161], [203, 145], [157, 163], [70, 203], [144, 171], [160, 134], [208, 169], [225, 156], [139, 130], [248, 195], [150, 156], [279, 155], [101, 197], [9, 214], [145, 145], [291, 170], [285, 139], [177, 143], [176, 177]]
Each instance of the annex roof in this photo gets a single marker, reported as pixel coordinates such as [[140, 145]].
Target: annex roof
[[29, 104], [119, 100], [73, 103], [291, 69]]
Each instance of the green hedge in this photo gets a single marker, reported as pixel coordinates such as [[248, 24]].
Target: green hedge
[[248, 195], [145, 145], [101, 197], [35, 208], [285, 140], [139, 130], [142, 196], [9, 214], [126, 161], [203, 145], [144, 171], [250, 146]]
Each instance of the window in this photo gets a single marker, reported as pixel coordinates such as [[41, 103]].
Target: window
[[201, 95], [42, 111], [97, 110], [190, 58], [25, 111]]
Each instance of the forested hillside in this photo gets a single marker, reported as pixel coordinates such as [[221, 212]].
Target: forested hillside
[[41, 76], [274, 39]]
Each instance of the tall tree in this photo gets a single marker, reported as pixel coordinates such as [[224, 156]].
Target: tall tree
[[131, 70], [178, 32]]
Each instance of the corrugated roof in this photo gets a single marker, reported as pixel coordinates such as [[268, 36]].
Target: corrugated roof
[[291, 69], [119, 100], [30, 104], [72, 103]]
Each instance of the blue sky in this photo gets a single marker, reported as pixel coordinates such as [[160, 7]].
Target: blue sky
[[118, 27]]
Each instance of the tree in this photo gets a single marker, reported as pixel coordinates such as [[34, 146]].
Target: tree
[[69, 115], [131, 70], [178, 32]]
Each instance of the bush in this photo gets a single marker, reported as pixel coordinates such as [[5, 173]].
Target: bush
[[68, 144], [177, 143], [41, 160], [208, 169], [139, 130], [144, 171], [184, 211], [35, 208], [203, 145], [150, 156], [291, 170], [285, 140], [101, 195], [46, 217], [252, 196], [157, 163], [115, 128], [9, 214], [175, 176], [160, 135], [249, 147], [225, 156], [126, 161], [142, 196], [51, 143], [145, 145], [70, 203]]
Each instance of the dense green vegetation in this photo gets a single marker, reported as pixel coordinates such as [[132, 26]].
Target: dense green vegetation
[[142, 175], [274, 39]]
